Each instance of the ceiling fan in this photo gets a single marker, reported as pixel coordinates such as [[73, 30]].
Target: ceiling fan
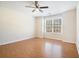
[[36, 6]]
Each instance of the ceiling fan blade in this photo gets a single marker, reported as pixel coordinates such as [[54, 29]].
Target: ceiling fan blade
[[36, 2], [30, 6], [43, 7], [33, 10], [40, 10]]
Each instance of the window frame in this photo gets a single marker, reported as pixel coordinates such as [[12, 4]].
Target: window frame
[[53, 18]]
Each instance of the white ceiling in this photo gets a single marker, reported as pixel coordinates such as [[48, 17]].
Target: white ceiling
[[54, 7]]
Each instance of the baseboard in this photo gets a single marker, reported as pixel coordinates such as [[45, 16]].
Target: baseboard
[[17, 40], [30, 37], [57, 39], [68, 42]]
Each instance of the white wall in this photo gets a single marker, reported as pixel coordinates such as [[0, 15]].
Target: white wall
[[69, 27], [16, 23], [77, 41], [38, 27]]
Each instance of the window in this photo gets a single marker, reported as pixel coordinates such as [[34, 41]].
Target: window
[[48, 25], [57, 25], [53, 25]]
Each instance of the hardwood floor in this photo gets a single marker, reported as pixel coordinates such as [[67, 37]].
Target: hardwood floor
[[39, 48]]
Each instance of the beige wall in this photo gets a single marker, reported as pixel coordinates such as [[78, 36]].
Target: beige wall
[[69, 27], [38, 27], [15, 24], [77, 41], [69, 19]]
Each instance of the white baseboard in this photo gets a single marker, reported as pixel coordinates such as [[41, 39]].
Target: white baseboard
[[60, 39], [28, 37], [68, 41], [13, 41]]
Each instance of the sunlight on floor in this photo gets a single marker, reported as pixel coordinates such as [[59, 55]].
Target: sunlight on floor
[[55, 50]]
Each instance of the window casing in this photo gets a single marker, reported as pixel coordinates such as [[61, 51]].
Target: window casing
[[53, 25]]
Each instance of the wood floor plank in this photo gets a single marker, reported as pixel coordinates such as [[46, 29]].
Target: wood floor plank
[[39, 48]]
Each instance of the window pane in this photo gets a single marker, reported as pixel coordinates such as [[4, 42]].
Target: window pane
[[57, 25], [48, 25]]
